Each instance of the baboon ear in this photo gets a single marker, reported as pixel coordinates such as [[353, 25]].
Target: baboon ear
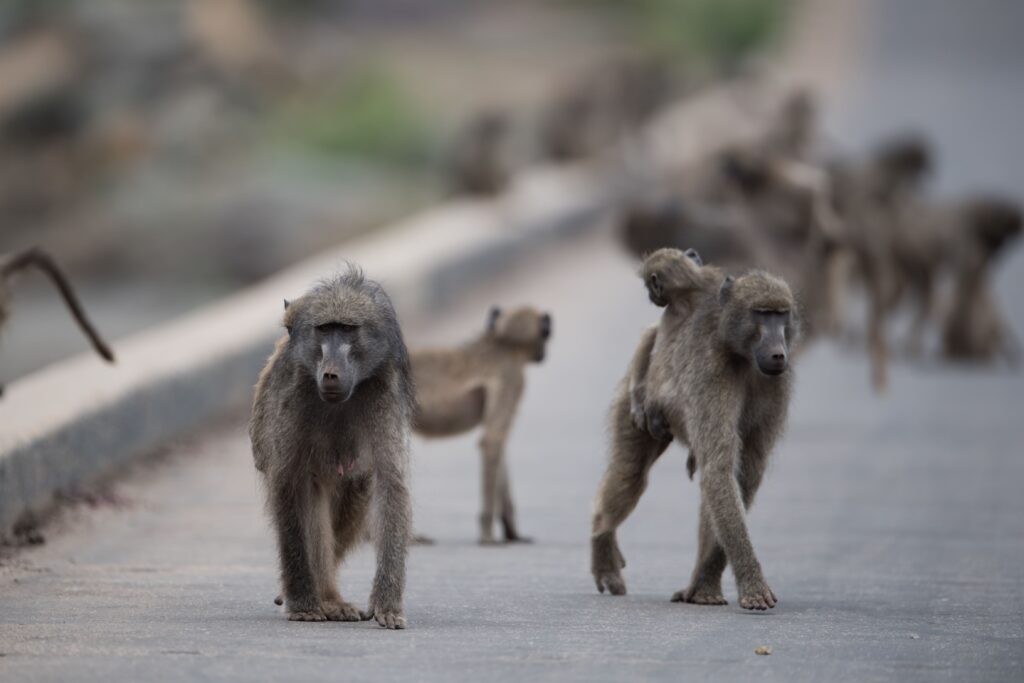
[[726, 289], [655, 290], [692, 254], [492, 318], [286, 304]]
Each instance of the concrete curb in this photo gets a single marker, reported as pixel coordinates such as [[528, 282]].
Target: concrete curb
[[77, 420]]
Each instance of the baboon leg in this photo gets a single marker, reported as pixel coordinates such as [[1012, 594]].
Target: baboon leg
[[348, 521], [304, 543], [624, 481], [500, 409], [508, 510], [877, 346], [718, 445], [706, 582], [393, 519], [926, 304]]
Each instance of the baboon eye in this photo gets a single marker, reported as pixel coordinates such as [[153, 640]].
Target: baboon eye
[[337, 327]]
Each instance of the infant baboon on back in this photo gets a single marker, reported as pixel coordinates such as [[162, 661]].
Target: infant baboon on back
[[12, 264], [480, 383], [719, 379], [330, 434], [675, 280]]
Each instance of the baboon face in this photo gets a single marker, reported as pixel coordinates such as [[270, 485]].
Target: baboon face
[[338, 335], [758, 320], [523, 328]]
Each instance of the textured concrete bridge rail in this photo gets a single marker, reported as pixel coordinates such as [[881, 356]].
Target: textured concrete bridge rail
[[77, 420]]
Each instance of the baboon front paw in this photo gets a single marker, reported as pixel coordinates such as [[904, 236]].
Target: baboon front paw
[[757, 595], [612, 581], [389, 619], [339, 610], [489, 540], [700, 595], [307, 615]]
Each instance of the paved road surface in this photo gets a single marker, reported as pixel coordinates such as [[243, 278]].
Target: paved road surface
[[892, 528]]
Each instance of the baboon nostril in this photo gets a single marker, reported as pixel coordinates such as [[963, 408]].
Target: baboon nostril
[[778, 356], [328, 376]]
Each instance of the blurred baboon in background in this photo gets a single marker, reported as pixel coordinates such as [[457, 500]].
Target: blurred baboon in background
[[12, 264], [869, 197], [481, 383], [719, 378], [330, 435], [480, 165], [974, 329], [794, 132]]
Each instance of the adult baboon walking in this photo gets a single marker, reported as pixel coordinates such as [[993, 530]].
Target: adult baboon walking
[[330, 434], [480, 383], [718, 379]]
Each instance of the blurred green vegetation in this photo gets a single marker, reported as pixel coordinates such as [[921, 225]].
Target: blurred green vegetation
[[720, 32], [369, 116]]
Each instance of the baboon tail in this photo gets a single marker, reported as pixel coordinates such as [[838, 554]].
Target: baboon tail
[[40, 259]]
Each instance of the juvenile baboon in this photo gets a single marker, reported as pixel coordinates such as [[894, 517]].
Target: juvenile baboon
[[719, 378], [11, 264], [479, 165], [330, 435], [481, 383]]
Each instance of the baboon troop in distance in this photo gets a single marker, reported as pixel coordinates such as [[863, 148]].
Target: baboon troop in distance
[[480, 384], [330, 435], [12, 264], [717, 377]]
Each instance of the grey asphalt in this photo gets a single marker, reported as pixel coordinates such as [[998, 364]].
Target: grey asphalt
[[891, 527]]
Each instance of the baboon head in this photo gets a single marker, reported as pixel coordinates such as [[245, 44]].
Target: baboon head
[[341, 333], [758, 320], [523, 328], [993, 222], [903, 163], [748, 169], [670, 275]]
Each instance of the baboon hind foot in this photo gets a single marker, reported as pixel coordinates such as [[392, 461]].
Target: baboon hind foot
[[700, 594], [339, 610]]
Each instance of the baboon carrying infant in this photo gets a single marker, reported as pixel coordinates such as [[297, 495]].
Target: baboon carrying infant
[[480, 383], [330, 435], [713, 375]]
